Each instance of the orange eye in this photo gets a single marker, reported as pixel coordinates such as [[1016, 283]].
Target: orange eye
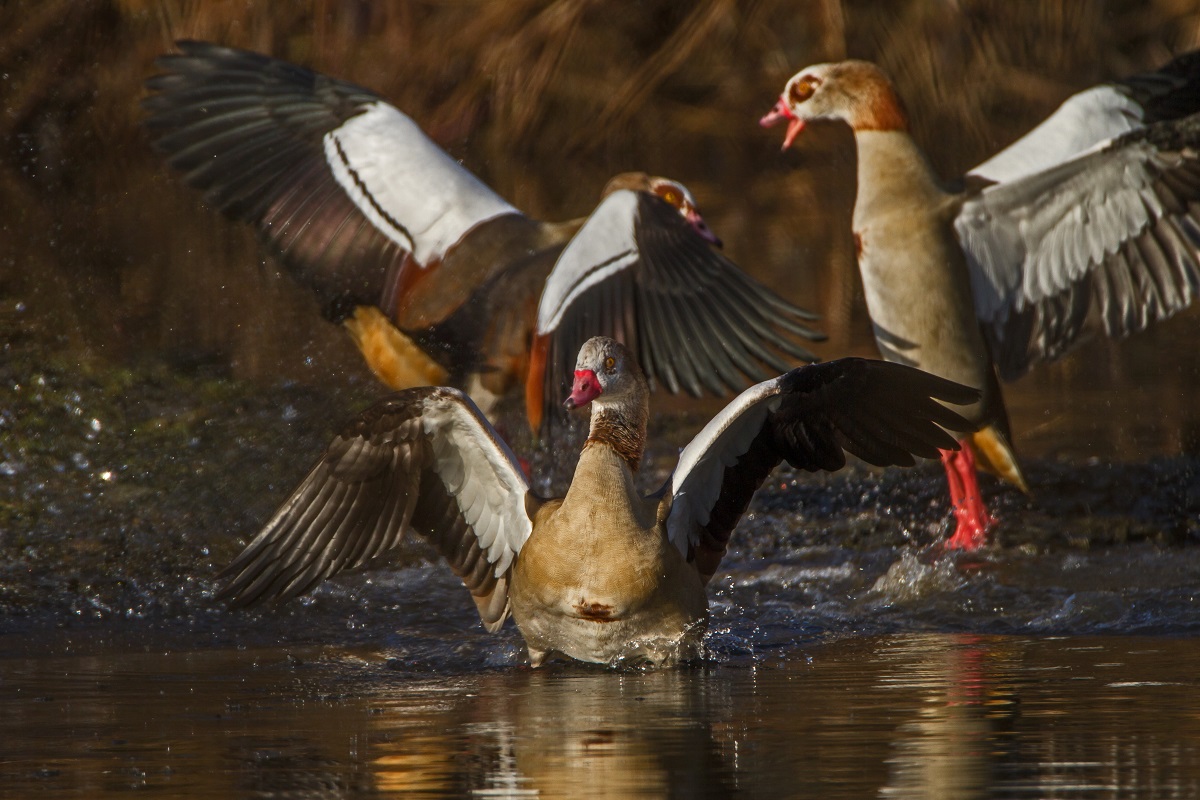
[[803, 89], [609, 363], [672, 197]]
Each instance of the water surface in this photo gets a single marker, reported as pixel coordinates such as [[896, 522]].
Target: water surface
[[905, 715]]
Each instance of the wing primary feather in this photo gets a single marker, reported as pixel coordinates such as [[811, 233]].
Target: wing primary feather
[[748, 347], [376, 481], [660, 339], [761, 329], [710, 340], [705, 347]]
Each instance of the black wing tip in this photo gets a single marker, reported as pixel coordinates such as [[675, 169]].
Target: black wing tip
[[189, 51], [244, 584], [195, 61], [879, 370], [235, 600], [234, 590], [949, 391], [240, 593], [919, 397], [197, 45], [201, 48]]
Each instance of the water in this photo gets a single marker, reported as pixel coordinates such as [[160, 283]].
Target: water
[[835, 670], [906, 715], [847, 655]]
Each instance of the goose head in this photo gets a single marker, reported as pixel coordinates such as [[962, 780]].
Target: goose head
[[673, 193], [607, 376], [855, 92]]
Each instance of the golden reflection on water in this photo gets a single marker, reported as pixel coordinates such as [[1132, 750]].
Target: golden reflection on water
[[913, 716], [554, 735], [945, 751]]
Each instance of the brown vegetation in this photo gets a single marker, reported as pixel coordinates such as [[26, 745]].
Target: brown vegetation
[[545, 100]]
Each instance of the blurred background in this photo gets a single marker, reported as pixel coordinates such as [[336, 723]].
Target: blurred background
[[107, 259]]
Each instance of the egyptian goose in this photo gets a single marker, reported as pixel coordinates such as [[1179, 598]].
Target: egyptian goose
[[603, 574], [438, 278], [1088, 222]]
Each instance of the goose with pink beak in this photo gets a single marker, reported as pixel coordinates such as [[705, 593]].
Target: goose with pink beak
[[1089, 223], [604, 573]]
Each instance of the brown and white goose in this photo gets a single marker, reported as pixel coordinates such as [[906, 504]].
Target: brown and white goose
[[1090, 222], [437, 277], [603, 574]]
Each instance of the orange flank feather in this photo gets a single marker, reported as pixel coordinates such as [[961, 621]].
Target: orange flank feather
[[535, 400]]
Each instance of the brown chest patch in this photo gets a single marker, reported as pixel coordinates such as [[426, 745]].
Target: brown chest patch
[[858, 245], [596, 612], [626, 437]]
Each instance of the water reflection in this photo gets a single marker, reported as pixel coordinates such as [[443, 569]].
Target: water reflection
[[947, 749], [554, 733], [910, 716], [996, 718]]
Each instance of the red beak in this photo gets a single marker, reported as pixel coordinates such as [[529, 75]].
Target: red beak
[[584, 390], [781, 112]]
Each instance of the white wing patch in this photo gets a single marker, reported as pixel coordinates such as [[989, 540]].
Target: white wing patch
[[604, 246], [482, 475], [406, 185], [696, 482], [1083, 122], [1033, 238]]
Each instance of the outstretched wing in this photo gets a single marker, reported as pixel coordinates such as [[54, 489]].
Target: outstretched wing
[[424, 459], [638, 272], [1109, 240], [1094, 116], [344, 187], [811, 417]]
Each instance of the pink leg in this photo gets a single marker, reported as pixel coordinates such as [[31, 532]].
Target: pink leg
[[953, 480], [970, 514]]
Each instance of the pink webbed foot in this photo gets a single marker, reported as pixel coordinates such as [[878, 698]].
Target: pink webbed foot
[[971, 516]]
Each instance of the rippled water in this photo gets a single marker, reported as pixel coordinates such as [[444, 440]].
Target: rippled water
[[834, 671], [906, 715], [848, 656]]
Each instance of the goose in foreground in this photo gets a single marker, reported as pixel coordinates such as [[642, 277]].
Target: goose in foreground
[[603, 574], [1090, 222], [437, 277]]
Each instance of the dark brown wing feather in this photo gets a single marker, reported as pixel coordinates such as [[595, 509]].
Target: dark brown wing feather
[[1169, 92], [248, 130], [883, 413], [386, 473], [695, 320]]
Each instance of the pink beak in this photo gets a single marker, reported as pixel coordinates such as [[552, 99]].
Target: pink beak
[[782, 112], [584, 390], [701, 227]]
